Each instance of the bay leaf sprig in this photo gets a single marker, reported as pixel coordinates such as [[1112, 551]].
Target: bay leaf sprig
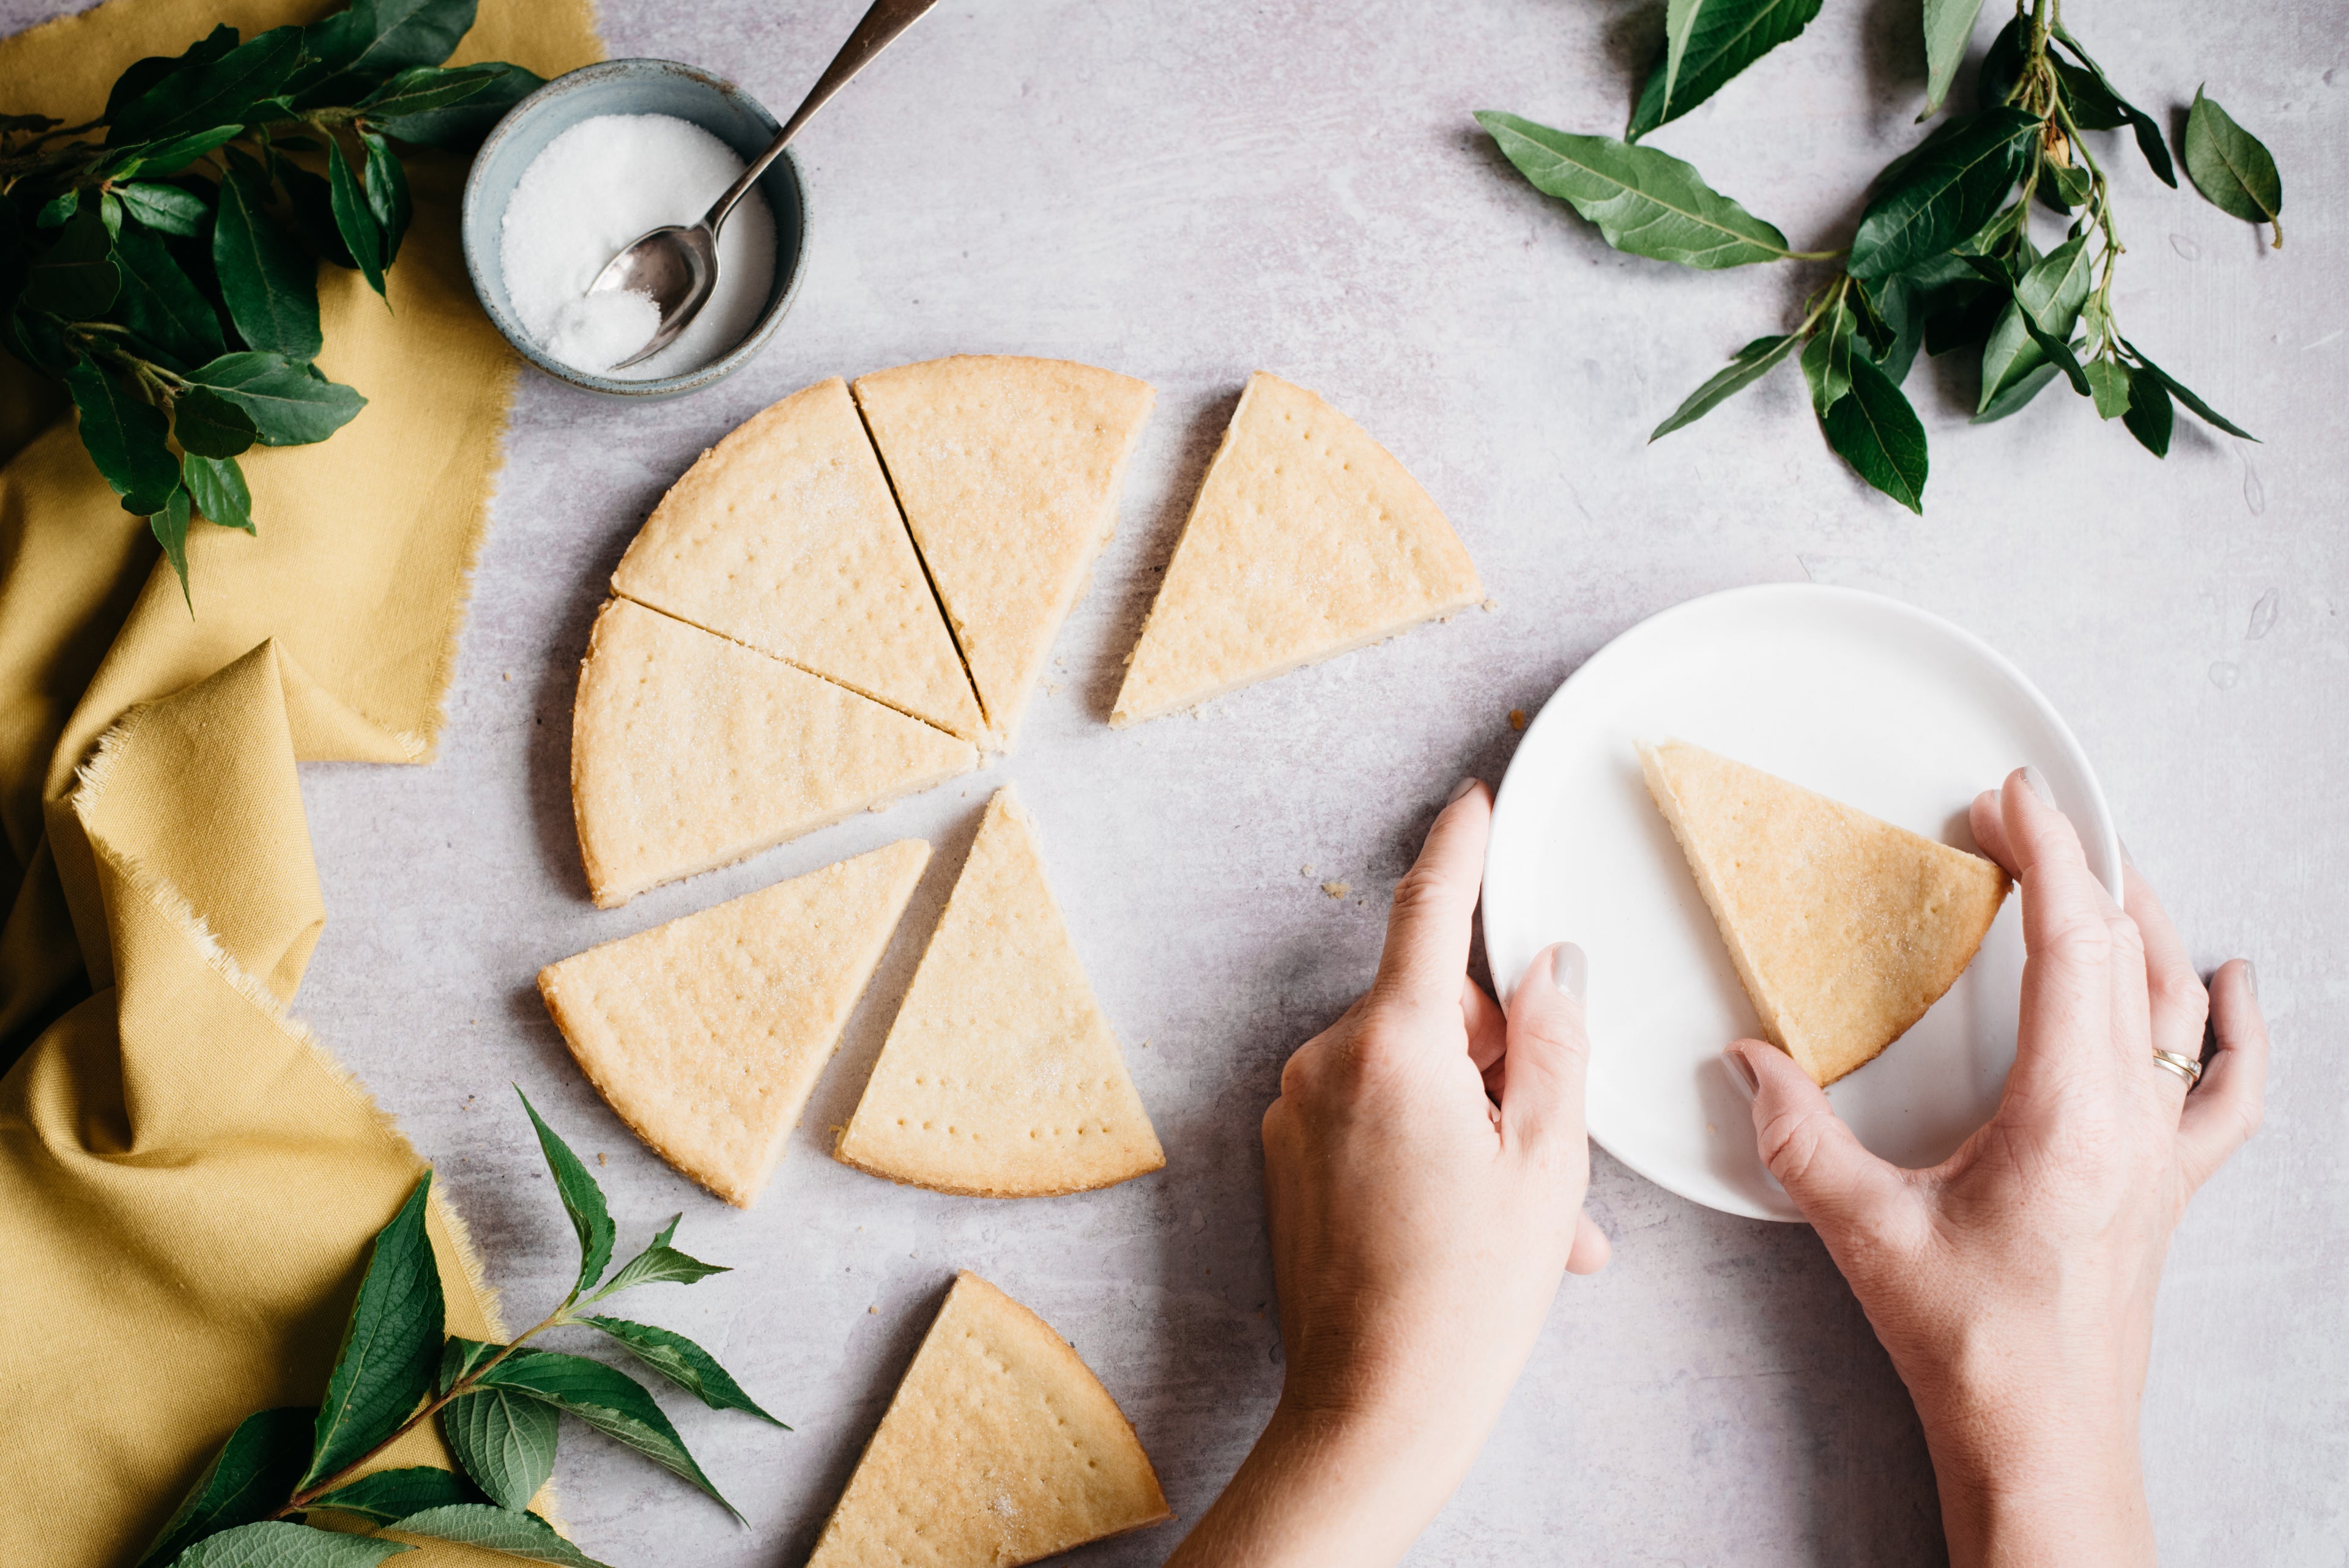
[[498, 1406], [161, 260], [1944, 258]]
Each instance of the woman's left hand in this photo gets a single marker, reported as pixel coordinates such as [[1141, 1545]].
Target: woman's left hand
[[1424, 1171]]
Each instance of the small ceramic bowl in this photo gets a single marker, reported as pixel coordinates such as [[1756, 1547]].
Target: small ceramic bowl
[[630, 86]]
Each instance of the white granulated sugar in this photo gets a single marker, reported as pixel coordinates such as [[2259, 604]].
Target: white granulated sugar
[[591, 192]]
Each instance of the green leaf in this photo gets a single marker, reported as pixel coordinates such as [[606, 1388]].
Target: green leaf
[[2051, 293], [166, 209], [126, 437], [1707, 42], [144, 74], [277, 1545], [38, 339], [219, 92], [1948, 192], [310, 205], [386, 194], [2141, 125], [217, 486], [172, 154], [659, 1263], [1827, 358], [524, 1535], [389, 1346], [271, 287], [1949, 28], [460, 1356], [505, 1440], [357, 47], [76, 279], [57, 208], [291, 404], [2151, 416], [169, 524], [1876, 431], [391, 1494], [2016, 393], [1644, 201], [354, 219], [423, 89], [464, 126], [608, 1400], [2179, 391], [2064, 186], [250, 1479], [2108, 384], [210, 426], [583, 1199], [683, 1363], [2228, 166], [160, 304], [1746, 366]]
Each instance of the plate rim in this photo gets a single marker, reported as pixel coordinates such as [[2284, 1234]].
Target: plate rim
[[2102, 842]]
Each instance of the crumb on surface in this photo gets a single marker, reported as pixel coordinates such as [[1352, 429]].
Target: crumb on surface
[[1517, 719], [599, 1158], [1306, 869], [1337, 889], [875, 1311]]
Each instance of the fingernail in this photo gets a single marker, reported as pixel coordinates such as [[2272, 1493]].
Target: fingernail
[[1460, 789], [2251, 978], [1740, 1075], [2126, 859], [2038, 783], [1570, 967]]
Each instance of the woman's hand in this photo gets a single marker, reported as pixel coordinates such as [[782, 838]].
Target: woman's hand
[[2013, 1284], [1425, 1168]]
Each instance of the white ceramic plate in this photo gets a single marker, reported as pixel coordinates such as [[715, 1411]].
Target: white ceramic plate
[[1859, 697]]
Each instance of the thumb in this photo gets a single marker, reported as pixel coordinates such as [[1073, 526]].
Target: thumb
[[1836, 1183], [1548, 1054]]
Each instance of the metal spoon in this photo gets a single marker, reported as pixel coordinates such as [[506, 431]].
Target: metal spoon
[[678, 267]]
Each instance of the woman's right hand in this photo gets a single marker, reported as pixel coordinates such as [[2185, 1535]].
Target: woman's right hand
[[2013, 1284]]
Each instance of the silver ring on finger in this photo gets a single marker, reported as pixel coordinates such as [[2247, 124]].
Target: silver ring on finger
[[2186, 1068]]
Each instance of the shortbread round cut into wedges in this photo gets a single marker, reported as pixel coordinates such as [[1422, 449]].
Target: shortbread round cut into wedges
[[1000, 1078], [1307, 540], [690, 751], [1000, 1448]]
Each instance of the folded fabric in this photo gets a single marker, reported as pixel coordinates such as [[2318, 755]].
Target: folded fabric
[[188, 1181]]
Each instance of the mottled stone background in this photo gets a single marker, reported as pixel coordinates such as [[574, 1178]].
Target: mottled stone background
[[1190, 191]]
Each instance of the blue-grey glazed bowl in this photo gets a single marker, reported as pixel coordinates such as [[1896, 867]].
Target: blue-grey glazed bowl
[[630, 86]]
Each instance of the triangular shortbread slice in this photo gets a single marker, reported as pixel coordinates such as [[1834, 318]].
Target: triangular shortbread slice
[[688, 752], [1000, 1447], [1000, 1079], [1845, 929], [784, 536], [1307, 540], [1008, 471], [707, 1034]]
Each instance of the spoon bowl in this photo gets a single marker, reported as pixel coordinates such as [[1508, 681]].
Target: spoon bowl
[[676, 267]]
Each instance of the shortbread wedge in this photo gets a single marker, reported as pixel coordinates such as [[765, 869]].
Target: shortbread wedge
[[1843, 928], [690, 751], [1307, 540], [1000, 1079], [1008, 472], [784, 536], [707, 1034], [1000, 1447]]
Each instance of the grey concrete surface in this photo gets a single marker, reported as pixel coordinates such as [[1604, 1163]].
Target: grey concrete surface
[[1189, 192]]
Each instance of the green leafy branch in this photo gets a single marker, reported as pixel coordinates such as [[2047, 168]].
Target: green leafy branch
[[1943, 257], [498, 1406], [161, 260]]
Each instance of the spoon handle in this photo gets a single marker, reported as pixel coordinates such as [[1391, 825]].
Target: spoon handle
[[880, 27]]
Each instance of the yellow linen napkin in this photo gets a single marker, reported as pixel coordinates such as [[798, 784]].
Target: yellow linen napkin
[[188, 1181]]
